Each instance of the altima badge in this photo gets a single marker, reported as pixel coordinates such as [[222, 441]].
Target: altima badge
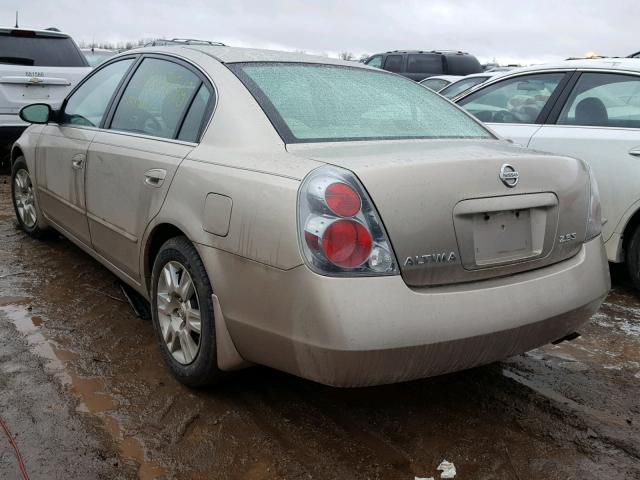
[[430, 258], [509, 175]]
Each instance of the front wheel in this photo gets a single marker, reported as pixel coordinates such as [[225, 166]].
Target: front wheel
[[24, 202], [182, 313]]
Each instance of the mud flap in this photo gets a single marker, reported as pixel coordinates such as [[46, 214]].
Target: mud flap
[[228, 357]]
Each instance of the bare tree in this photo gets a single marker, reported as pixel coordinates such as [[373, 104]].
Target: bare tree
[[347, 56]]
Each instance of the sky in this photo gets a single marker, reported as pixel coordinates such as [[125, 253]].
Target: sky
[[513, 31]]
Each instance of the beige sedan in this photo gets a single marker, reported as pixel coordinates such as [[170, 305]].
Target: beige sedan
[[320, 217]]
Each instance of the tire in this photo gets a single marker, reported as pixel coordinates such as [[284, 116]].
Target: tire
[[24, 203], [174, 316], [633, 258]]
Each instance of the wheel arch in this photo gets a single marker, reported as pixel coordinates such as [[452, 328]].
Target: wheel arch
[[627, 231], [16, 151], [157, 237]]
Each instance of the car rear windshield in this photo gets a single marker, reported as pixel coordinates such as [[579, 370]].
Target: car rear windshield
[[462, 65], [39, 51], [317, 102]]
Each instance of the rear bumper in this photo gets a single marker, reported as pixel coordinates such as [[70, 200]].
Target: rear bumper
[[367, 331]]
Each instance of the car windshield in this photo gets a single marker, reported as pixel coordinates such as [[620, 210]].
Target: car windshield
[[435, 84], [318, 102], [461, 86], [40, 51]]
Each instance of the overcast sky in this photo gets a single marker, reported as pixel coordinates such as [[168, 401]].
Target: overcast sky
[[510, 31]]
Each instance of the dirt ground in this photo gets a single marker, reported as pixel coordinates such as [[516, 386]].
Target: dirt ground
[[84, 392]]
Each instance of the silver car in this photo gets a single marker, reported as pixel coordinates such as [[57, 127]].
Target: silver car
[[321, 217]]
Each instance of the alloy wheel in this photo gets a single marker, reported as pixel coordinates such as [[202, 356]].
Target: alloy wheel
[[179, 312], [24, 198]]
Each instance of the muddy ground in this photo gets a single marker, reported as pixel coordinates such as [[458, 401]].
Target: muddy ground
[[83, 390]]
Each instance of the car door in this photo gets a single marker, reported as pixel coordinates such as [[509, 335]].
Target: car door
[[152, 126], [516, 106], [62, 150], [600, 123]]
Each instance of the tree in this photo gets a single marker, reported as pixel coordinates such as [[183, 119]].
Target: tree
[[347, 56]]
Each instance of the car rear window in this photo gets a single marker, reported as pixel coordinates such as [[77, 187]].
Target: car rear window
[[424, 63], [462, 65], [40, 51], [317, 102]]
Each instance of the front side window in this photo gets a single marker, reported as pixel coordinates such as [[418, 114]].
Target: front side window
[[375, 61], [462, 86], [393, 63], [88, 103], [312, 102], [514, 100], [155, 99], [424, 63], [603, 100]]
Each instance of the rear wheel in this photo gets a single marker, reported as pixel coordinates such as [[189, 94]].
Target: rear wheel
[[633, 258], [182, 313], [24, 203]]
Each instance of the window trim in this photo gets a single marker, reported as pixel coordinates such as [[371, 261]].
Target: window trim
[[204, 80], [548, 107], [555, 114]]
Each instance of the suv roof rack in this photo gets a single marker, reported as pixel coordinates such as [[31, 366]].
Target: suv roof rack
[[456, 52], [161, 42]]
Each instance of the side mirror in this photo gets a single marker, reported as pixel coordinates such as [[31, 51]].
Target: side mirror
[[36, 113]]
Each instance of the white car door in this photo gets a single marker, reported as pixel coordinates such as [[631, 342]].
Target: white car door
[[62, 151], [514, 107], [600, 123]]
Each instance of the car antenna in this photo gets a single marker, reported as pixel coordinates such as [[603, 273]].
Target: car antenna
[[17, 19]]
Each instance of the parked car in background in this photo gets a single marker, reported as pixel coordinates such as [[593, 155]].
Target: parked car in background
[[585, 108], [418, 65], [35, 65], [438, 82], [314, 215], [95, 56], [466, 83]]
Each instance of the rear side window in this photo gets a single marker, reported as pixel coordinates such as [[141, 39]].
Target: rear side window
[[424, 63], [393, 63], [88, 103], [603, 100], [156, 98], [514, 100], [40, 51], [190, 130]]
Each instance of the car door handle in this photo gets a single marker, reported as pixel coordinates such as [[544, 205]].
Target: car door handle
[[155, 177], [77, 161], [635, 153]]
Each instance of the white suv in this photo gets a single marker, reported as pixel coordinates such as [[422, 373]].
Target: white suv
[[34, 66]]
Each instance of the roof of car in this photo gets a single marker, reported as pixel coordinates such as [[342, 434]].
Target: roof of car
[[612, 63], [450, 78], [442, 52], [237, 55], [39, 33]]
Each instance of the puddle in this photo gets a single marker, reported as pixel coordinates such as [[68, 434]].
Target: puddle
[[91, 391]]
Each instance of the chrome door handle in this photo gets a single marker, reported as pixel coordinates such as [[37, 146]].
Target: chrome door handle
[[635, 153], [155, 177], [77, 162]]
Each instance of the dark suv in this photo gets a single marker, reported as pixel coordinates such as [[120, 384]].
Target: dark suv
[[418, 64]]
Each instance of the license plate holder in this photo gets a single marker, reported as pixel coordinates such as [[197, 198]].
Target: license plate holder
[[503, 236]]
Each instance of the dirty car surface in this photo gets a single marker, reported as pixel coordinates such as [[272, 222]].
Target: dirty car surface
[[333, 221]]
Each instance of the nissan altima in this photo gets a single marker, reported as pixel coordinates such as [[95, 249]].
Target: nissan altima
[[320, 217]]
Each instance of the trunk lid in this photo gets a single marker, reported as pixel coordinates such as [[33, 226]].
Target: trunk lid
[[449, 216]]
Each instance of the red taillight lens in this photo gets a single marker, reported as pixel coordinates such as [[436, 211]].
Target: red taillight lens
[[347, 243], [342, 199]]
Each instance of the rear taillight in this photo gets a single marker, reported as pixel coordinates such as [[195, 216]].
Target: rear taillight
[[340, 231]]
